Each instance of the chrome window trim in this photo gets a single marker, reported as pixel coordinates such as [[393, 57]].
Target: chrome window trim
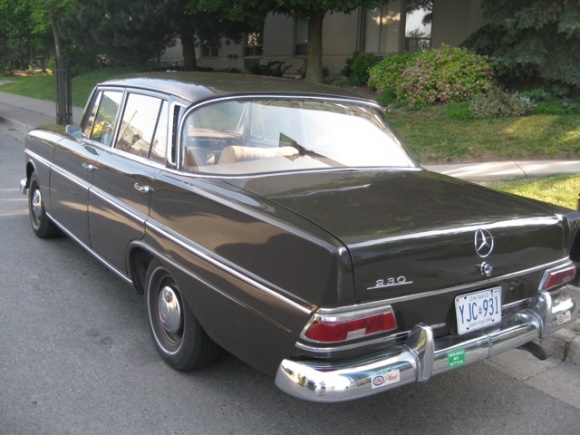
[[171, 137]]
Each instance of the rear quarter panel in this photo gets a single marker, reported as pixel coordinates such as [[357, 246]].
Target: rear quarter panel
[[251, 272]]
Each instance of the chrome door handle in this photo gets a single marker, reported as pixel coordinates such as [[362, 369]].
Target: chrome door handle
[[89, 167], [142, 189]]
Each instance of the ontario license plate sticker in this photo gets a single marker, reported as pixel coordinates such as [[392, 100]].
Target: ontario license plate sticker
[[478, 310]]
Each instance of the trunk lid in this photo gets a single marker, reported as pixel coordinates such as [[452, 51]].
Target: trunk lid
[[413, 231]]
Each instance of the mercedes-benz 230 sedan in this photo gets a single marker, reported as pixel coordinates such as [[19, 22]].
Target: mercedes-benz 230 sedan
[[287, 224]]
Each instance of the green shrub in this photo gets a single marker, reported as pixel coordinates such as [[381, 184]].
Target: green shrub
[[545, 103], [556, 107], [357, 68], [339, 82], [386, 97], [499, 104], [442, 75], [387, 73]]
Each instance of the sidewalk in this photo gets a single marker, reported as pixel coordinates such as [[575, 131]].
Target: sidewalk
[[498, 171], [23, 114]]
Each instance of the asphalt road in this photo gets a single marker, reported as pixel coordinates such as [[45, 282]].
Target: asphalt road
[[76, 358]]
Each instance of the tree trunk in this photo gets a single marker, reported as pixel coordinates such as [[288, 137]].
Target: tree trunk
[[188, 48], [314, 50], [56, 34]]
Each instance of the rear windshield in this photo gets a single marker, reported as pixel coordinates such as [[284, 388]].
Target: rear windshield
[[252, 136]]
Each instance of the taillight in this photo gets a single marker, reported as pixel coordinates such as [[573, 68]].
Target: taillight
[[332, 328], [558, 276]]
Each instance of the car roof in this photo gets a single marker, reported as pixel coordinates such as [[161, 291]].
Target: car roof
[[197, 86]]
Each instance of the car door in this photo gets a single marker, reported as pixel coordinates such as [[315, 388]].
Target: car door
[[75, 164], [120, 196]]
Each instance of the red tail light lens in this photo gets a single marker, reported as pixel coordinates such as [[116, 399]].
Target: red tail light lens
[[343, 327], [558, 276]]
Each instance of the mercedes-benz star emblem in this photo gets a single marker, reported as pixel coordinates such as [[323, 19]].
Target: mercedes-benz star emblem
[[483, 243]]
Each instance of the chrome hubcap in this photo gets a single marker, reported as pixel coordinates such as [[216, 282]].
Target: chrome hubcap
[[169, 310], [37, 204]]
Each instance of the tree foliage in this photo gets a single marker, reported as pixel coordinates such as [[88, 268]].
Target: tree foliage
[[26, 28], [123, 33], [532, 42]]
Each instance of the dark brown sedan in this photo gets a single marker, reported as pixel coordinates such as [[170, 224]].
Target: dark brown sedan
[[287, 224]]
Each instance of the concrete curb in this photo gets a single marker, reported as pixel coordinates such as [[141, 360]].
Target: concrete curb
[[564, 344], [507, 170]]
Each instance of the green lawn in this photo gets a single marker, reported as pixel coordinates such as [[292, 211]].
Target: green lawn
[[43, 86], [557, 189], [434, 138]]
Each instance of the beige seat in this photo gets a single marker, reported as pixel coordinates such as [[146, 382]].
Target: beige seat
[[195, 156], [238, 153]]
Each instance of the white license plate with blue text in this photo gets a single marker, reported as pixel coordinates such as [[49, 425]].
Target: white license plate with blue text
[[478, 310]]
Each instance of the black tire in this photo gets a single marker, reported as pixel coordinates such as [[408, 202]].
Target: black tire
[[177, 335], [42, 226]]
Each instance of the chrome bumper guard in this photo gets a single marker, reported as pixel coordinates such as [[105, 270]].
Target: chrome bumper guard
[[23, 186], [422, 356]]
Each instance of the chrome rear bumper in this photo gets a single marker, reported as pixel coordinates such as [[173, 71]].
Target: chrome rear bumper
[[422, 356]]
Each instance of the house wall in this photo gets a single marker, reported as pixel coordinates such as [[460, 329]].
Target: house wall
[[339, 40], [344, 34]]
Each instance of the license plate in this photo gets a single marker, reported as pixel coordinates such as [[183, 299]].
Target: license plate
[[478, 310]]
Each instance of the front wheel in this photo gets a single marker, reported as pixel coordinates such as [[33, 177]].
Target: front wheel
[[42, 226], [178, 336]]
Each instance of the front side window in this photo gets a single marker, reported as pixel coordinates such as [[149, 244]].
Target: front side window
[[250, 136], [102, 127]]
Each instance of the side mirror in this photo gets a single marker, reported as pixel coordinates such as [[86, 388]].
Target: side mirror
[[74, 131]]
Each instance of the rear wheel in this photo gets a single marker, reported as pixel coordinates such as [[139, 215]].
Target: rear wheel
[[42, 226], [178, 336]]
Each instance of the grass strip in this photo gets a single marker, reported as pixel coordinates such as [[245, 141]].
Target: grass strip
[[562, 190]]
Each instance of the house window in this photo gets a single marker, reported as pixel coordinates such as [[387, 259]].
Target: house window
[[382, 26], [209, 49], [418, 25], [254, 44], [301, 37]]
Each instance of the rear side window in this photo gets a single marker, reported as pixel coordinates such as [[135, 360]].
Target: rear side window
[[140, 119], [100, 125]]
